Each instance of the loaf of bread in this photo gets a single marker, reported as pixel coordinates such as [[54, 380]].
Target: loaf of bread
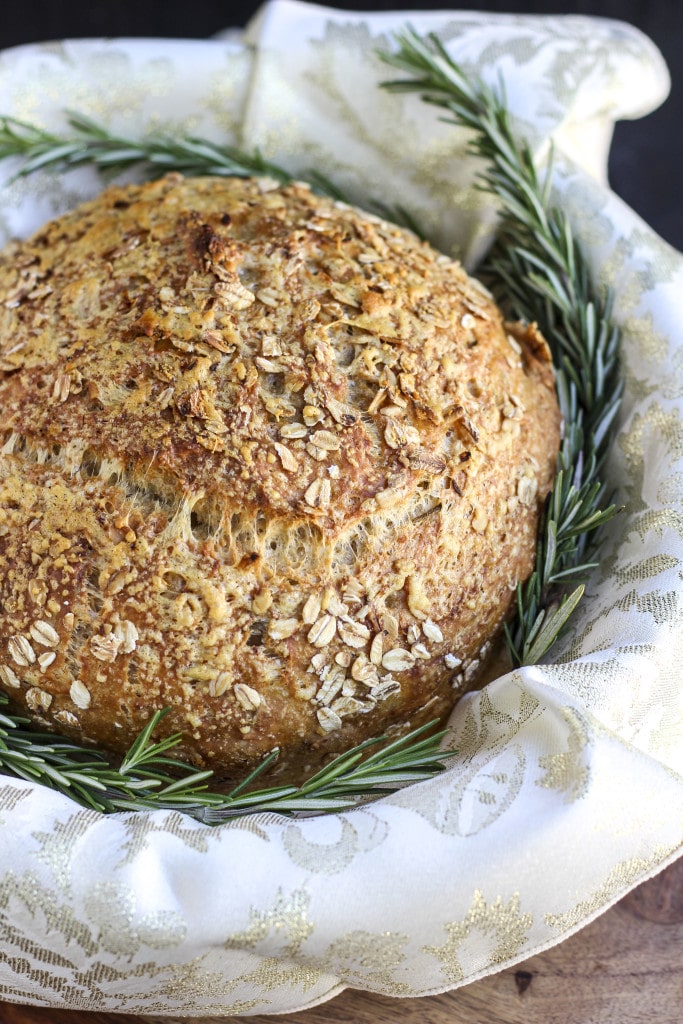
[[267, 461]]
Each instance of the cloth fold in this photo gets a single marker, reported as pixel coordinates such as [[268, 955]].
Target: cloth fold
[[567, 789]]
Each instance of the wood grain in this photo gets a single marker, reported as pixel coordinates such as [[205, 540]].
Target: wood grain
[[625, 968]]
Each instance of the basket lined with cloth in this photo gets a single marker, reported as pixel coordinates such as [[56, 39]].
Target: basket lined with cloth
[[567, 787]]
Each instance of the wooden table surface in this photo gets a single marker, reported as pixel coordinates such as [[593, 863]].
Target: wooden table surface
[[625, 968]]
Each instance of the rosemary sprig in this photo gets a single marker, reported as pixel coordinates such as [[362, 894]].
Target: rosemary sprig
[[147, 778], [537, 270], [90, 143]]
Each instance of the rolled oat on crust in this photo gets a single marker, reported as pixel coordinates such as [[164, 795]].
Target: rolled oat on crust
[[267, 460]]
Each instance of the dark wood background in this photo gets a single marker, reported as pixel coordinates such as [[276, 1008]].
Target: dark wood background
[[647, 154]]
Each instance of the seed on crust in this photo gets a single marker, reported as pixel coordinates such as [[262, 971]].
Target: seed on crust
[[376, 648], [20, 651], [215, 340], [322, 631], [46, 659], [354, 591], [105, 648], [342, 413], [233, 294], [527, 489], [319, 493], [311, 609], [281, 629], [289, 463], [390, 624], [312, 415], [262, 602], [395, 433], [220, 685], [9, 677], [432, 631], [329, 720], [363, 671], [421, 459], [354, 634], [269, 297], [471, 669], [398, 660], [62, 387], [319, 661], [385, 688], [293, 431], [80, 694], [126, 632], [270, 346], [347, 705], [249, 698], [65, 717], [331, 686], [37, 699], [305, 690], [331, 602], [326, 440]]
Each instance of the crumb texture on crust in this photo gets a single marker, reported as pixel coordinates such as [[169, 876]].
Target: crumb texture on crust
[[266, 460]]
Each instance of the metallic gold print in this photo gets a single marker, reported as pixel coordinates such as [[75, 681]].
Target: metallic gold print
[[658, 521], [273, 972], [361, 957], [670, 490], [10, 797], [569, 771], [479, 795], [112, 908], [501, 925], [41, 901], [365, 833], [619, 880], [649, 430], [660, 425], [191, 984], [226, 93], [287, 915], [645, 569], [140, 826], [57, 846], [673, 385], [663, 607], [489, 726], [316, 857]]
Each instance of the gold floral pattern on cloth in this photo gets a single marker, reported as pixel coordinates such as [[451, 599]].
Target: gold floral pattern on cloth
[[567, 786], [499, 927]]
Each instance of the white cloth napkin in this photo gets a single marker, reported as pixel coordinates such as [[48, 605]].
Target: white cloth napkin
[[567, 790]]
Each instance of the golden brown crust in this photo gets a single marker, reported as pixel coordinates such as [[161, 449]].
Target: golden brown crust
[[267, 460]]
